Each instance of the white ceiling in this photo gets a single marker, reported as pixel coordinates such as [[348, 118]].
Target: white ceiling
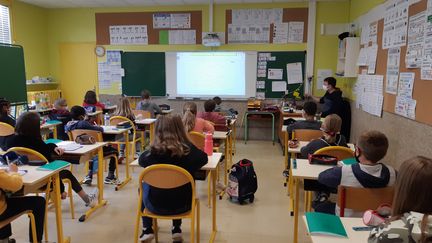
[[130, 3]]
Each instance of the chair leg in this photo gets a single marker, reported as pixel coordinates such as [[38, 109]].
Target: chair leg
[[33, 227], [198, 220], [138, 218], [155, 230], [309, 202], [209, 190], [117, 166], [71, 199], [192, 227]]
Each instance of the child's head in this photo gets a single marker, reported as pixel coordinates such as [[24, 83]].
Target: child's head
[[209, 105], [145, 95], [217, 100], [189, 115], [170, 136], [371, 146], [90, 97], [331, 127], [309, 109], [4, 107], [124, 108], [77, 113], [60, 104], [413, 189], [28, 124]]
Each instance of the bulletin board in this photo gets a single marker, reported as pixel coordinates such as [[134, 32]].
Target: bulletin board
[[12, 71], [105, 20], [422, 88], [289, 14]]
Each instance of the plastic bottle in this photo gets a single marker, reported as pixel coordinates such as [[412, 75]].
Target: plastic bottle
[[106, 119], [208, 144]]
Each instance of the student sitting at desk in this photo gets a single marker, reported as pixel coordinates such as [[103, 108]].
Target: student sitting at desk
[[308, 113], [367, 173], [170, 146], [218, 102], [412, 207], [6, 118], [211, 116], [78, 114], [192, 122], [91, 103], [61, 113], [27, 135], [146, 105]]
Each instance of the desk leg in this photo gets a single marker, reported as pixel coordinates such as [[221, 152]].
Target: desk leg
[[58, 211], [127, 151], [234, 138], [55, 132], [214, 229], [296, 210], [151, 133], [273, 128], [246, 127], [100, 185]]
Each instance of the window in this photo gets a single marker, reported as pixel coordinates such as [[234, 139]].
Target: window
[[5, 31]]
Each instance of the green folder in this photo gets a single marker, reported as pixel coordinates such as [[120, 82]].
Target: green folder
[[53, 140], [327, 224], [349, 161], [52, 121], [56, 164]]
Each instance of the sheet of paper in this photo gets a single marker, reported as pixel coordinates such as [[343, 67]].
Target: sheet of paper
[[260, 84], [128, 35], [280, 33], [253, 16], [405, 107], [295, 32], [260, 95], [161, 21], [414, 53], [406, 84], [372, 52], [364, 36], [294, 73], [362, 57], [426, 66], [275, 73], [180, 21], [392, 74], [368, 90], [182, 37], [395, 23], [261, 73], [279, 86], [373, 32], [110, 74], [248, 34], [322, 74]]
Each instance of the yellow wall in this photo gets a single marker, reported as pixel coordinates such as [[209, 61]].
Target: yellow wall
[[360, 7]]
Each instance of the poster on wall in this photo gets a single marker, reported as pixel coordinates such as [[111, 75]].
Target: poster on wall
[[110, 74], [128, 35], [395, 23], [414, 53], [392, 74], [426, 65], [406, 84]]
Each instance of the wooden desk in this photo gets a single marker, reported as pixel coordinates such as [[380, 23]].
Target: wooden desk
[[51, 125], [94, 113], [212, 166], [150, 122], [285, 115], [110, 109], [113, 130], [90, 150], [35, 179], [353, 236], [165, 112]]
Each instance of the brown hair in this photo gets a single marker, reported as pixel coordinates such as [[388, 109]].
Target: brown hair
[[170, 136], [145, 94], [412, 190], [189, 115], [28, 124], [209, 105], [90, 97], [124, 109], [373, 145], [331, 127]]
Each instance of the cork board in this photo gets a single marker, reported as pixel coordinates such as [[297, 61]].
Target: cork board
[[289, 14], [104, 20], [422, 88]]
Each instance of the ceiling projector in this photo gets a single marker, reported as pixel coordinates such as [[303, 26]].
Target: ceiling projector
[[211, 40]]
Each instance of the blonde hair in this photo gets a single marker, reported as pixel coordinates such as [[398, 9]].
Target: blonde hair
[[331, 127], [170, 137], [124, 109], [189, 115]]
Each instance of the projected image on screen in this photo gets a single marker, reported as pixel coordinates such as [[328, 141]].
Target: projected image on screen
[[211, 73]]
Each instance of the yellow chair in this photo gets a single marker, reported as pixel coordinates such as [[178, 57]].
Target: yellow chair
[[362, 199], [141, 115], [98, 138], [34, 155], [29, 213], [6, 129], [168, 177], [118, 119]]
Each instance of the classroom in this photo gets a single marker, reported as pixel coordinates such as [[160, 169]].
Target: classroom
[[237, 120]]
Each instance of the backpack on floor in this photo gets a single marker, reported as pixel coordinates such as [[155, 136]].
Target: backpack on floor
[[242, 181]]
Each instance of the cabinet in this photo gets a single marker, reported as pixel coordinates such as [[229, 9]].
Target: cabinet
[[348, 52]]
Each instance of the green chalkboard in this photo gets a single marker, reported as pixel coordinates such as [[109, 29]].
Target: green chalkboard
[[282, 58], [12, 74], [143, 70]]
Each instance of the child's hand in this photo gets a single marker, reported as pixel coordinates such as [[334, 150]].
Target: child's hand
[[13, 167], [59, 151]]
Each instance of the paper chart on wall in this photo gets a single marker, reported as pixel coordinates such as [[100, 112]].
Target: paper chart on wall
[[128, 35], [362, 57], [252, 16], [368, 90], [395, 23], [295, 32], [260, 84], [182, 37], [369, 33], [406, 84], [180, 21], [280, 33], [110, 74], [426, 66], [161, 20], [248, 34], [405, 107], [275, 73], [372, 52], [392, 74], [414, 53], [295, 73], [279, 86]]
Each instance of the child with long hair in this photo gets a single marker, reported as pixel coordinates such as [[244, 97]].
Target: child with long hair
[[192, 122], [170, 146], [91, 103], [125, 110]]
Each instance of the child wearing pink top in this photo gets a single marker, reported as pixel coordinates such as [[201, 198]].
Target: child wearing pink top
[[192, 122]]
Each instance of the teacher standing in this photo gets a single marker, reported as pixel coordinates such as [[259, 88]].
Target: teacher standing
[[332, 100]]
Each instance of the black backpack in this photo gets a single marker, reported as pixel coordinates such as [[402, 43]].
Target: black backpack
[[242, 182]]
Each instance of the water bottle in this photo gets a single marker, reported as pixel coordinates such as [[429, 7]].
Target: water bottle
[[106, 119], [208, 144]]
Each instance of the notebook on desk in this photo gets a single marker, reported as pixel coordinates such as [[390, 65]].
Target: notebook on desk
[[325, 224], [56, 164], [69, 145]]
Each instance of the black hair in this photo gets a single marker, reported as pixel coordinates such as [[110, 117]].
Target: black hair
[[310, 108], [145, 94], [209, 105], [3, 103], [28, 124], [217, 99], [90, 97], [331, 81], [77, 112]]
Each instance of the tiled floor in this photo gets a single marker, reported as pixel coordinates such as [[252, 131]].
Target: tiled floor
[[266, 220]]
